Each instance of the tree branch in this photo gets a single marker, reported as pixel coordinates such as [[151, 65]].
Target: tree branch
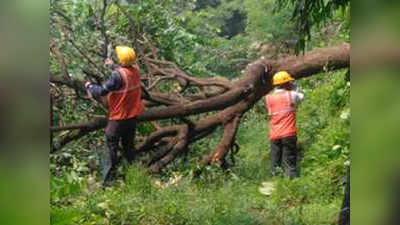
[[177, 146], [226, 143], [103, 29]]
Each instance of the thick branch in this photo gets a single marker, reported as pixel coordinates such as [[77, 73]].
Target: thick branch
[[155, 137], [226, 143], [176, 72], [179, 146], [316, 61], [212, 104]]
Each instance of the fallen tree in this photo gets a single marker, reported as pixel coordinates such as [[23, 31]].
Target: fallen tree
[[196, 106], [217, 102]]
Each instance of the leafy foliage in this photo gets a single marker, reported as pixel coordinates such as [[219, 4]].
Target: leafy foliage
[[307, 14]]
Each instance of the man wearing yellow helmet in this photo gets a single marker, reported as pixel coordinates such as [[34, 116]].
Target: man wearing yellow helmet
[[122, 94], [281, 106]]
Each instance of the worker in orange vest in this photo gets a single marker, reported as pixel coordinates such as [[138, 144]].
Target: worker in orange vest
[[122, 95], [281, 106]]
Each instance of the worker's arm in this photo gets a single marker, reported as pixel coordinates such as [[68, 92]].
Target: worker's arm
[[114, 83], [110, 65], [297, 96]]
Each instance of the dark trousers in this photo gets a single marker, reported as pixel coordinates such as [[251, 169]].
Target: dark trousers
[[118, 131], [284, 151]]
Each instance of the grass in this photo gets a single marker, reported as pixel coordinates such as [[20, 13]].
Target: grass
[[232, 198]]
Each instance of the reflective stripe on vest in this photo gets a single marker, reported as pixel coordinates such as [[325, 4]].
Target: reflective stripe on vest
[[126, 103], [282, 113]]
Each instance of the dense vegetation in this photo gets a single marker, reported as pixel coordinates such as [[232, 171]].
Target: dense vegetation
[[206, 38]]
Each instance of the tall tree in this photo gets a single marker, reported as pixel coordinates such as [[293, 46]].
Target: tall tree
[[308, 13]]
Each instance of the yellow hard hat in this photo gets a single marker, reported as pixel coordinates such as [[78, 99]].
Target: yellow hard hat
[[126, 55], [281, 78]]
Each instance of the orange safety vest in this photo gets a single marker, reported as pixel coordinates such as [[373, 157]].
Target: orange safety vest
[[127, 102], [282, 111]]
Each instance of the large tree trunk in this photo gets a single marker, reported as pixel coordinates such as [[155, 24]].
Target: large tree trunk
[[229, 102]]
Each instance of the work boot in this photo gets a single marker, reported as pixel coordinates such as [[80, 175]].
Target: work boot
[[109, 176]]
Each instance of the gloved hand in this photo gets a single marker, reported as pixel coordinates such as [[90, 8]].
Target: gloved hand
[[87, 84]]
